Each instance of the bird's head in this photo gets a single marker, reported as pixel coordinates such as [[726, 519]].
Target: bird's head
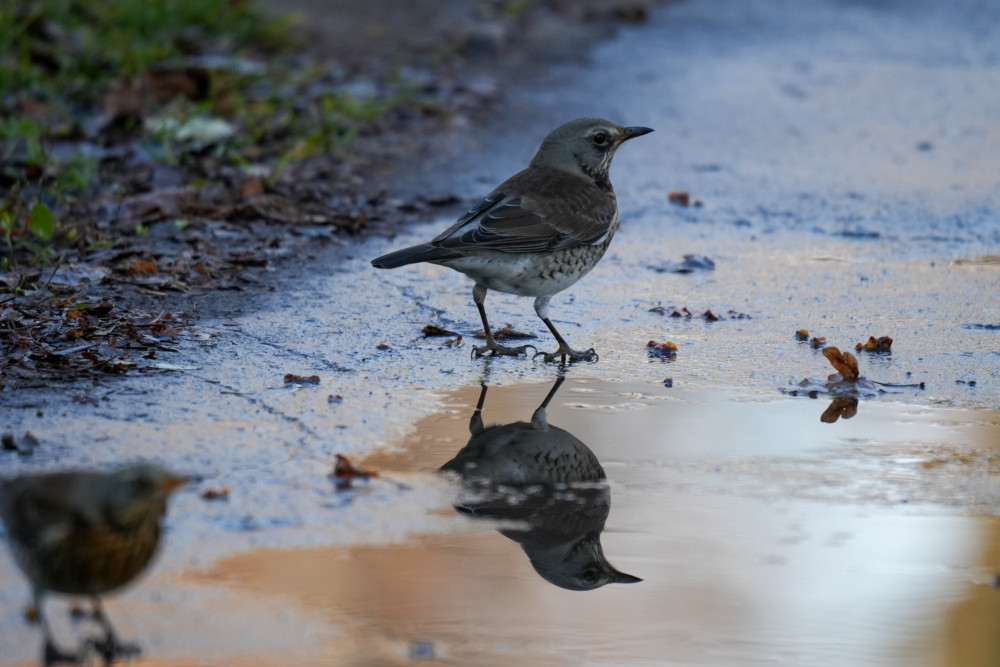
[[139, 492], [578, 565], [585, 147]]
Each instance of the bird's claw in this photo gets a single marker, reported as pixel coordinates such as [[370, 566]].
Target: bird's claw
[[502, 350], [111, 649], [568, 354], [55, 656]]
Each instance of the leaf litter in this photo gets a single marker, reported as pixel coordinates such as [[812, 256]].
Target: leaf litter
[[69, 336]]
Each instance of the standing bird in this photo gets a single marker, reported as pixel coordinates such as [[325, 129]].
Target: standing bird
[[547, 479], [539, 231], [86, 534]]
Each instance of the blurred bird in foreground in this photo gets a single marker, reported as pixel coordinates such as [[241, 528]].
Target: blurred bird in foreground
[[86, 534], [539, 231], [550, 481]]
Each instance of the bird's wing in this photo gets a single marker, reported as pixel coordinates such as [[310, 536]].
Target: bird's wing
[[536, 210], [38, 513]]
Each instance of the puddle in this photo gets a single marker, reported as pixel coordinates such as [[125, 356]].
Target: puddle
[[762, 535]]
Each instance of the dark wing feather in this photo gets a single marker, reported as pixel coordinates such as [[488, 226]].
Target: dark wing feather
[[28, 508], [537, 210]]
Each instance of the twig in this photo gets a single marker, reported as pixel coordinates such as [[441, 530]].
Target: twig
[[55, 270]]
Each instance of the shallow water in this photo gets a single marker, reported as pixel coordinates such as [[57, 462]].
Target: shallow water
[[762, 535]]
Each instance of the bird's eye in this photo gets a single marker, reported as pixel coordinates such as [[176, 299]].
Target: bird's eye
[[600, 138], [589, 576]]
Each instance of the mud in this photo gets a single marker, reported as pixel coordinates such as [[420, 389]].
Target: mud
[[763, 534]]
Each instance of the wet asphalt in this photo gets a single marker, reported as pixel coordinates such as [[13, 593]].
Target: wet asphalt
[[845, 155]]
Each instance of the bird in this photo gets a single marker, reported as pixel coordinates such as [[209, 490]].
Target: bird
[[548, 480], [85, 533], [539, 231]]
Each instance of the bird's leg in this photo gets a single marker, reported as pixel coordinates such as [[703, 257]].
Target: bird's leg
[[110, 647], [51, 654], [539, 420], [476, 422], [494, 348], [565, 351]]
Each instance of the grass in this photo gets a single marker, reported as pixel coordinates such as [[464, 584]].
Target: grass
[[74, 50], [65, 62]]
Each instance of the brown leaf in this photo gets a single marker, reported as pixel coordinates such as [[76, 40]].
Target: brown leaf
[[141, 267], [344, 472], [253, 187], [883, 344], [842, 407], [300, 379], [844, 363], [679, 198], [667, 350], [430, 331], [506, 332], [216, 494]]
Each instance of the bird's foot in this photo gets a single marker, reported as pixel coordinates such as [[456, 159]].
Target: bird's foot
[[567, 354], [502, 350], [111, 649], [53, 655]]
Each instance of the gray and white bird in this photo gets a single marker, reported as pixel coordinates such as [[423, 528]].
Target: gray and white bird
[[85, 533], [548, 480], [539, 231]]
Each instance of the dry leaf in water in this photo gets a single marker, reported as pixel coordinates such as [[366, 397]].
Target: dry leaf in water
[[344, 472], [667, 350], [844, 363], [842, 407], [883, 344]]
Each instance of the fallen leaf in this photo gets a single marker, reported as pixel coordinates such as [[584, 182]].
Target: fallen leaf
[[844, 363], [842, 407], [345, 472], [802, 334], [454, 341], [301, 379], [507, 332], [216, 494], [430, 331], [679, 198], [141, 267], [252, 188], [883, 344], [667, 350]]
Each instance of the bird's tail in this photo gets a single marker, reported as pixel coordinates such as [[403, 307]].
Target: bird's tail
[[424, 252]]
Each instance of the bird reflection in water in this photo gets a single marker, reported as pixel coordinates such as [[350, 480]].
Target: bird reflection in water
[[85, 534], [551, 484]]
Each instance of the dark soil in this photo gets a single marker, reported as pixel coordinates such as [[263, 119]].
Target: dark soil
[[156, 243]]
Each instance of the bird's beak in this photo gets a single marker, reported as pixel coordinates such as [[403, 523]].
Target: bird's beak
[[631, 132], [620, 577], [169, 484]]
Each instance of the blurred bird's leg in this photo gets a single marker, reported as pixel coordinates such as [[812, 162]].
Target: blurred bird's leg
[[494, 348], [565, 351], [110, 647], [51, 654]]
